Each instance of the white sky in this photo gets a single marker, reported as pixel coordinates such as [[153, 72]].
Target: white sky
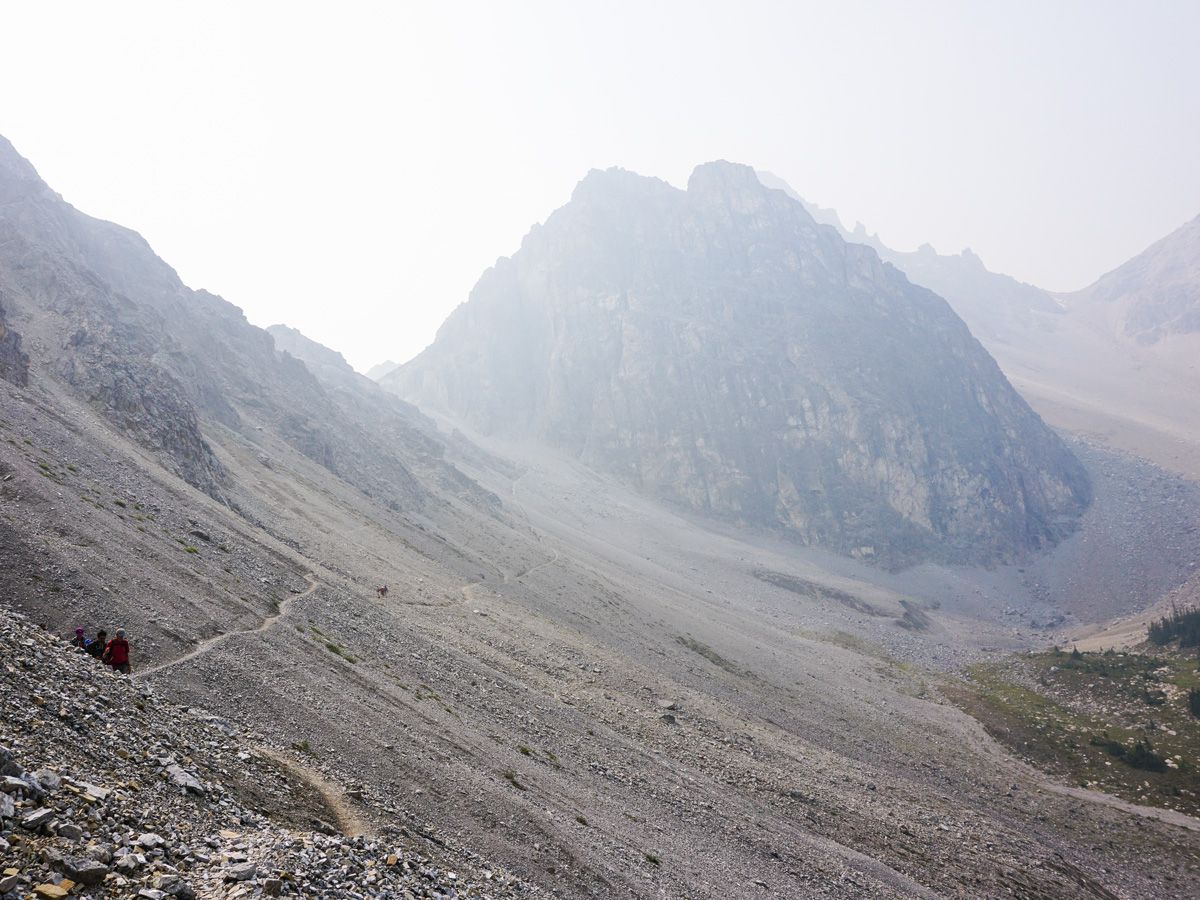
[[351, 168]]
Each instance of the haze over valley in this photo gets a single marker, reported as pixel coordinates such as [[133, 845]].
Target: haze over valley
[[710, 549]]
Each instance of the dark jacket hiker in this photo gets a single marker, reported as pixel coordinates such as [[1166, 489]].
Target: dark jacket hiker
[[95, 647]]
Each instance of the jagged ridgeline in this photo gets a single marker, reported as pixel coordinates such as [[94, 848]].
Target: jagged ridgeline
[[720, 349]]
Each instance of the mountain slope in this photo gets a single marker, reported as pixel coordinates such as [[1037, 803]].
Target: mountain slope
[[718, 348], [163, 362], [1156, 294]]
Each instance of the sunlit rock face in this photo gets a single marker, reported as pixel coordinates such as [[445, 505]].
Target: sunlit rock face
[[721, 350]]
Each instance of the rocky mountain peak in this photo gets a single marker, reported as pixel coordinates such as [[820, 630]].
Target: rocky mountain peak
[[719, 349], [378, 370], [307, 350], [724, 177], [14, 166]]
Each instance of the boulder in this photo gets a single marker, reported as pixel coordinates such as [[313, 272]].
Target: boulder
[[87, 872], [184, 779], [241, 872], [38, 819]]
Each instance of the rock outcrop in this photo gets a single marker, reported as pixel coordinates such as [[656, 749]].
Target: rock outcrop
[[14, 363], [722, 350]]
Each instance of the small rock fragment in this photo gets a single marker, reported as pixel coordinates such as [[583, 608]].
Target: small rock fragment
[[241, 872], [38, 819]]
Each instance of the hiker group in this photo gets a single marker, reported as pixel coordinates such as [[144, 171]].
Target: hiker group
[[113, 652]]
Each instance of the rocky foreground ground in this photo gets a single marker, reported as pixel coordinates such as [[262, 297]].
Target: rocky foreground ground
[[106, 789]]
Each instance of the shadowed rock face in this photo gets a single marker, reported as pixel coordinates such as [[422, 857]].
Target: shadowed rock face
[[720, 349], [14, 364]]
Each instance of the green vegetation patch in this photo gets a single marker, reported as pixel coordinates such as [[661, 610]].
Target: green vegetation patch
[[1182, 625], [338, 650], [1117, 722]]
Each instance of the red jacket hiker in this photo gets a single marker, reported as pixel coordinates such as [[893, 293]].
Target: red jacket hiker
[[116, 654]]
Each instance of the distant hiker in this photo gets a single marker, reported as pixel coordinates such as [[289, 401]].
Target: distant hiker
[[381, 591], [116, 653], [79, 640], [95, 647]]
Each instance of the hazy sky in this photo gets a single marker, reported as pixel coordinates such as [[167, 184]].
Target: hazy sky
[[351, 168]]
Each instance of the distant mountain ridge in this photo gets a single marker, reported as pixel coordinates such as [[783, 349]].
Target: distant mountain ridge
[[719, 348], [378, 370], [1156, 294], [995, 306]]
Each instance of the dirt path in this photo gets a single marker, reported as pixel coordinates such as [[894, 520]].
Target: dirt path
[[1170, 816], [206, 645], [468, 590], [524, 513], [347, 818]]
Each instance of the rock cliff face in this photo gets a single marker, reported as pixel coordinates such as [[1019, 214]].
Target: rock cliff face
[[722, 350], [14, 364]]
